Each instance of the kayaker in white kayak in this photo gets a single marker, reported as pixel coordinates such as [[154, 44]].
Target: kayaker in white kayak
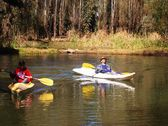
[[103, 67]]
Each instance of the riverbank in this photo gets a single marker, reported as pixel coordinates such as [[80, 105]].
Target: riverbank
[[98, 43], [144, 52], [37, 51]]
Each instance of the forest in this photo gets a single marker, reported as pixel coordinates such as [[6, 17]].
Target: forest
[[49, 19]]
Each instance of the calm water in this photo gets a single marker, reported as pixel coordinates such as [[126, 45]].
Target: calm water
[[143, 103]]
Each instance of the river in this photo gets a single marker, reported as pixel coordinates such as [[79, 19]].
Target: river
[[143, 102]]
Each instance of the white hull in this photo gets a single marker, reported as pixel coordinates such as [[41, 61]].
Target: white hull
[[91, 73]]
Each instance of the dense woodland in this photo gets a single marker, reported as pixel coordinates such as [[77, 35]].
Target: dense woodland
[[39, 19]]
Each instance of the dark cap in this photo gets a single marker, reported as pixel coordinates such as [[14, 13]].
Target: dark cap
[[21, 63], [103, 58]]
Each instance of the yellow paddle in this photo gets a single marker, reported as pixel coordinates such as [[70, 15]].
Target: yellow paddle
[[45, 81], [88, 65]]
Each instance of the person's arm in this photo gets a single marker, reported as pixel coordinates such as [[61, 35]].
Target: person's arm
[[98, 69], [108, 68], [28, 76]]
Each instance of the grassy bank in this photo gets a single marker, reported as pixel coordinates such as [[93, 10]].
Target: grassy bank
[[121, 40], [119, 43], [101, 42], [36, 51]]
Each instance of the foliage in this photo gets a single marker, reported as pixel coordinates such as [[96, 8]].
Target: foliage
[[89, 16], [24, 20], [160, 15]]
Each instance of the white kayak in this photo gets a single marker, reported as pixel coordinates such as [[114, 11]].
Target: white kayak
[[91, 73]]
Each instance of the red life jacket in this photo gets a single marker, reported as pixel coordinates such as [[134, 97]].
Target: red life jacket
[[22, 75]]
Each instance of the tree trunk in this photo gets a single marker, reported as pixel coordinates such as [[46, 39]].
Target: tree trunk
[[112, 15], [74, 16], [45, 12], [104, 14], [36, 20], [61, 17], [80, 15], [45, 17], [100, 14], [55, 19]]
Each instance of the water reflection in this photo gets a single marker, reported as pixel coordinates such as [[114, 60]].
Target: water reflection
[[91, 113], [26, 100], [102, 90], [87, 90], [20, 102], [86, 80], [101, 96], [46, 98]]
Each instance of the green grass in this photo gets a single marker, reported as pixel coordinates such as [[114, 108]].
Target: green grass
[[117, 41], [101, 42]]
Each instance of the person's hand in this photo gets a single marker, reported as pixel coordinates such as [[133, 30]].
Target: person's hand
[[21, 77]]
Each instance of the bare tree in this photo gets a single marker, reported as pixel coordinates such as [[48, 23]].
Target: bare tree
[[55, 19]]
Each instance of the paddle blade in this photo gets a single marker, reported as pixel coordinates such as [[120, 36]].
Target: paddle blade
[[88, 65], [46, 81], [125, 73]]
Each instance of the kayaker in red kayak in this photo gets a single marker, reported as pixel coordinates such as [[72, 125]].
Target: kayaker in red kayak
[[21, 75], [103, 67]]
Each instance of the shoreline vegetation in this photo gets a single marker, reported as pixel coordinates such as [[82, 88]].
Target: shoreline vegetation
[[134, 27], [96, 43]]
